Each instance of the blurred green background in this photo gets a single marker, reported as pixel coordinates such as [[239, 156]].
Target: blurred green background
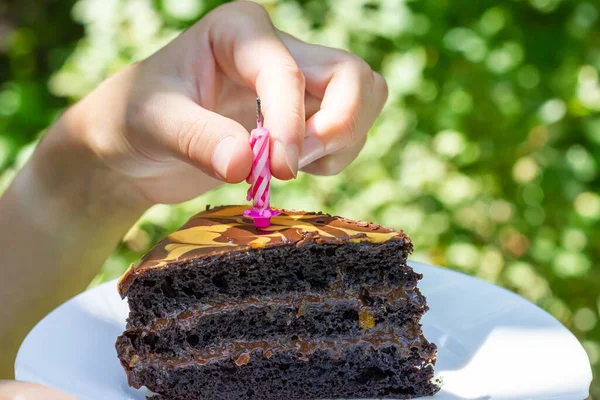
[[487, 152]]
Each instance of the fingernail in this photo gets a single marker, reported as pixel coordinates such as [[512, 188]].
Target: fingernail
[[312, 149], [337, 144], [222, 155], [291, 155]]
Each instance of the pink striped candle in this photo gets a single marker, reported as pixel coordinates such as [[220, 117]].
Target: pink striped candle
[[260, 175]]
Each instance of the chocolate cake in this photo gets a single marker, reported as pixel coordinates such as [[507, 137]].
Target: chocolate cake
[[312, 307]]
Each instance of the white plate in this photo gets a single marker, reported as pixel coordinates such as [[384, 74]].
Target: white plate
[[492, 344]]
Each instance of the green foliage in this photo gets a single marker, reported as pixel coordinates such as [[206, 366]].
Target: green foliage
[[486, 154]]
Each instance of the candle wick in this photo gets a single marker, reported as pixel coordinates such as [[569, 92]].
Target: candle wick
[[259, 117]]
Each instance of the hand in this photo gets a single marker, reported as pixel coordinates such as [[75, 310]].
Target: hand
[[164, 131], [170, 122]]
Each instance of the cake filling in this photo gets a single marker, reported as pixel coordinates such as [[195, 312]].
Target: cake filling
[[406, 341], [316, 315]]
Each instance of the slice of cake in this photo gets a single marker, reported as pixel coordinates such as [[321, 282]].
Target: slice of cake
[[312, 307]]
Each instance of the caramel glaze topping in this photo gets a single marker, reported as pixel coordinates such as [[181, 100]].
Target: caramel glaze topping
[[224, 230]]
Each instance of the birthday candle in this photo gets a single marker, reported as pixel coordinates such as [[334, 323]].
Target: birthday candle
[[260, 175]]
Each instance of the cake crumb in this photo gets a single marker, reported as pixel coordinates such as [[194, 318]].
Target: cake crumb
[[301, 308], [134, 360], [366, 319], [242, 359]]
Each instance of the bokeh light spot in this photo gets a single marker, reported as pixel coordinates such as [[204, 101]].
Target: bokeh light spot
[[587, 204], [593, 351], [500, 210], [545, 6], [492, 21], [581, 162], [463, 255], [183, 9], [449, 143], [571, 264], [10, 100], [503, 59], [553, 111], [525, 170], [585, 319]]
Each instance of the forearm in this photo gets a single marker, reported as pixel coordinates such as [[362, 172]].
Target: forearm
[[59, 220], [11, 390]]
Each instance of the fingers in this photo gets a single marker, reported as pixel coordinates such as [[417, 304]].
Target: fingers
[[243, 109], [248, 49], [209, 141], [352, 101], [334, 164], [353, 96], [338, 92], [329, 146]]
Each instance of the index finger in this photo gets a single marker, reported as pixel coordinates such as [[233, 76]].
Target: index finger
[[248, 49]]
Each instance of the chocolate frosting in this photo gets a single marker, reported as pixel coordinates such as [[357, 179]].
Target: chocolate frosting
[[225, 230]]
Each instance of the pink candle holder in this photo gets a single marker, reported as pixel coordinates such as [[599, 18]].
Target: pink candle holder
[[260, 175]]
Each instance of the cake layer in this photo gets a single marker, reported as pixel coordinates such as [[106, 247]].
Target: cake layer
[[224, 230], [313, 267], [303, 315], [312, 307], [376, 366]]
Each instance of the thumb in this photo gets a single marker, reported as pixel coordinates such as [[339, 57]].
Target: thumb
[[217, 145]]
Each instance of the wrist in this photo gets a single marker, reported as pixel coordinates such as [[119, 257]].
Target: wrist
[[67, 177], [94, 139]]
